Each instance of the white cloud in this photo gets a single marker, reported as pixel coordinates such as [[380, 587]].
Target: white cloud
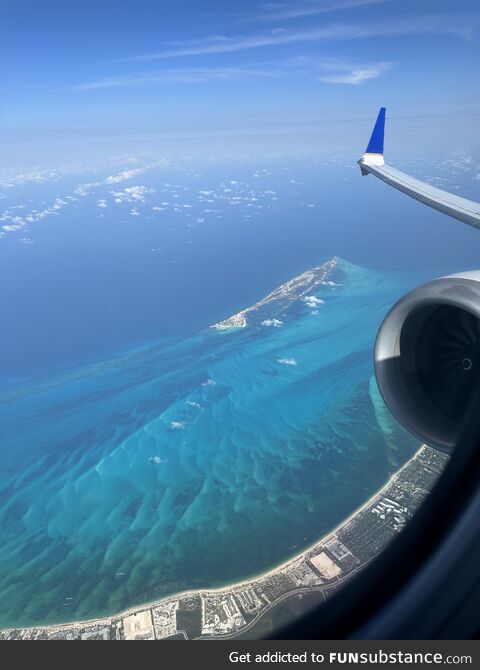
[[19, 176], [294, 10], [9, 178], [124, 176], [177, 425], [272, 323], [356, 76], [454, 24], [335, 70], [18, 222], [287, 361], [157, 460], [132, 194], [347, 73], [312, 301], [10, 228], [180, 76], [83, 189]]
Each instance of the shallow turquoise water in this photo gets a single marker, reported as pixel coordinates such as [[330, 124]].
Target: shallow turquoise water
[[197, 461]]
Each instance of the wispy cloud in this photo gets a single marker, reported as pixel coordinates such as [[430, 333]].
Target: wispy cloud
[[327, 70], [344, 73], [334, 70], [280, 11], [180, 76], [355, 77], [458, 25]]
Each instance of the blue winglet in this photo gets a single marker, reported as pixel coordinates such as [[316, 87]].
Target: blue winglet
[[375, 146]]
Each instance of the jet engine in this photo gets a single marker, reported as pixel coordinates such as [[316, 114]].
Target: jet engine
[[427, 358]]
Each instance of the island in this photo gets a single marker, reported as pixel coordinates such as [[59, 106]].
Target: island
[[296, 289]]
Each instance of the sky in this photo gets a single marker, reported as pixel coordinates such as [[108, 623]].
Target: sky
[[80, 79]]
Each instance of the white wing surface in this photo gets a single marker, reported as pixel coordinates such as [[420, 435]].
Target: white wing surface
[[373, 162]]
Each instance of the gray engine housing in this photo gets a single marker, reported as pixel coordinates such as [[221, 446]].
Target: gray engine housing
[[427, 358]]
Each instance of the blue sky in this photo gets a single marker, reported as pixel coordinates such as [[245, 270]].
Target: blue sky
[[246, 75]]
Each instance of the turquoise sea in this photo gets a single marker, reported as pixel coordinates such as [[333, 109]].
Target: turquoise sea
[[143, 452], [199, 460]]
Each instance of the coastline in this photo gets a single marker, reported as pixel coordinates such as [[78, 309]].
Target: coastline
[[278, 300], [300, 288], [223, 594]]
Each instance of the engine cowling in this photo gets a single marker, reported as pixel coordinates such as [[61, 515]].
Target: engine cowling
[[427, 358]]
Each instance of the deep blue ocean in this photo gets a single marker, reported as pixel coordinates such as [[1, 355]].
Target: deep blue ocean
[[143, 452]]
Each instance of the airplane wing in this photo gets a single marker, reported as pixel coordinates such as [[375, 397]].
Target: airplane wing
[[373, 162]]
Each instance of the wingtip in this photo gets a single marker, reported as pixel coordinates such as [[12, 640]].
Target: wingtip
[[374, 152], [375, 145]]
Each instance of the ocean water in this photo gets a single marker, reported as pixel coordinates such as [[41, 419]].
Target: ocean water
[[198, 461], [185, 246], [143, 452]]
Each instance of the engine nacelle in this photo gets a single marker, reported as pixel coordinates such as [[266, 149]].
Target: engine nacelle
[[427, 358]]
